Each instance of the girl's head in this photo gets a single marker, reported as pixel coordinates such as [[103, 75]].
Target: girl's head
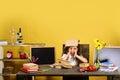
[[71, 46], [71, 49]]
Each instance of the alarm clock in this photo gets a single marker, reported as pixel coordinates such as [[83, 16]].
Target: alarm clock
[[9, 54]]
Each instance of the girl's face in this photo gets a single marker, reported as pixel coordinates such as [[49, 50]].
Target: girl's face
[[73, 49]]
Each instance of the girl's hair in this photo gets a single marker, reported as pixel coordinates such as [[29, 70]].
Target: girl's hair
[[84, 52], [65, 49], [79, 52]]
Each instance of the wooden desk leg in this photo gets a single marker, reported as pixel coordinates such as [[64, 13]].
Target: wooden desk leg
[[21, 77], [33, 77]]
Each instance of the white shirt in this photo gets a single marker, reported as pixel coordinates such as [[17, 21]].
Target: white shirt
[[72, 59]]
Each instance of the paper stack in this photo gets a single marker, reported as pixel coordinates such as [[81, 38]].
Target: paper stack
[[3, 42], [65, 64]]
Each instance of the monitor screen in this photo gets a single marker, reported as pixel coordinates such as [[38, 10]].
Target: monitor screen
[[111, 55], [44, 55]]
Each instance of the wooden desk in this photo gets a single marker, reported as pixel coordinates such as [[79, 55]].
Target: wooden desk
[[68, 72]]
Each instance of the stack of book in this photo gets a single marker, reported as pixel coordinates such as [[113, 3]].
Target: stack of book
[[30, 67], [108, 67]]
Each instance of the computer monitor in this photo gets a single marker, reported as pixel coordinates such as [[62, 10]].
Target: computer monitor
[[111, 55], [45, 55]]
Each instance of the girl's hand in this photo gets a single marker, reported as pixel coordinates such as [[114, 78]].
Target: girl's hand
[[69, 53], [75, 54]]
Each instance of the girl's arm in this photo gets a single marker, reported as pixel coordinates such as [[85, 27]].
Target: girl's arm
[[81, 58], [65, 56]]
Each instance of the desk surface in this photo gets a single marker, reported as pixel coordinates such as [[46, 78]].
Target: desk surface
[[70, 72]]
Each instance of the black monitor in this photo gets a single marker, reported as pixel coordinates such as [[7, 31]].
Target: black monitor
[[45, 55], [111, 55]]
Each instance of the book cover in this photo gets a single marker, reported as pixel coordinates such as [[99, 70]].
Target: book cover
[[109, 69], [107, 64], [24, 69]]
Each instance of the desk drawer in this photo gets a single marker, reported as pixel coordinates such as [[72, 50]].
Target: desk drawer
[[97, 78]]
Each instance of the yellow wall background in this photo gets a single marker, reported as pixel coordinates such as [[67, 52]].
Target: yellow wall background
[[54, 21]]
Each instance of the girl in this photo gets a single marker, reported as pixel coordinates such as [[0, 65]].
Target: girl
[[73, 55]]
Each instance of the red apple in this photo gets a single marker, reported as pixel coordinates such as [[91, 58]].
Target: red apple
[[92, 68]]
